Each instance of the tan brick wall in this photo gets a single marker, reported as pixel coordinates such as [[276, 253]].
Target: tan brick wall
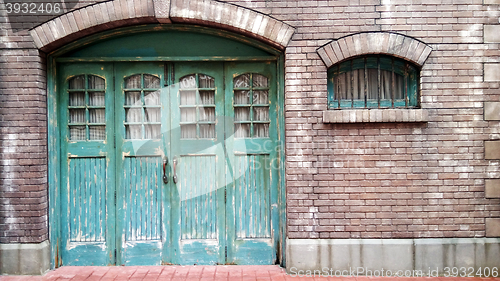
[[383, 180]]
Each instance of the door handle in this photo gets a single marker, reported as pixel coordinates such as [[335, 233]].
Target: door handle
[[175, 170], [165, 163]]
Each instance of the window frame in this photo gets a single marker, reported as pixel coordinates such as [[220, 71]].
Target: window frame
[[409, 71]]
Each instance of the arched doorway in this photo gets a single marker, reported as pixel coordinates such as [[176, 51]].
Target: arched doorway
[[168, 148]]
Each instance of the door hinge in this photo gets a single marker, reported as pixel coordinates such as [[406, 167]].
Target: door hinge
[[116, 259], [225, 252]]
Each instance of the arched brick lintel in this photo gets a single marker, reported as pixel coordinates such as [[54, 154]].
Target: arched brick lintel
[[389, 43], [117, 13]]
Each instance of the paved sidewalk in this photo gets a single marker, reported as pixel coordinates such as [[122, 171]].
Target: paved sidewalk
[[201, 273]]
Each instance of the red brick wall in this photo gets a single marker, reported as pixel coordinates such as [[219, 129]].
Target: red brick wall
[[343, 180]]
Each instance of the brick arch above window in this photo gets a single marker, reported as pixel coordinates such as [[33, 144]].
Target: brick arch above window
[[389, 43], [116, 13]]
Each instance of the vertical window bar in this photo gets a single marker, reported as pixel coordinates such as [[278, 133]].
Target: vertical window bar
[[143, 109], [87, 113], [366, 83], [197, 106], [352, 83], [393, 86], [405, 79], [378, 79], [338, 85]]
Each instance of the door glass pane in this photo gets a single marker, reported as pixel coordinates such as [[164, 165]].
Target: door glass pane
[[97, 116], [259, 81], [96, 82], [151, 82], [261, 97], [86, 106], [96, 99], [242, 130], [133, 115], [261, 113], [251, 120], [77, 99], [242, 113], [77, 133], [242, 81], [97, 132], [142, 104], [197, 106], [261, 130], [206, 81], [77, 116], [241, 97], [153, 115], [207, 114], [133, 131], [152, 98], [133, 82], [188, 131], [133, 98], [77, 82]]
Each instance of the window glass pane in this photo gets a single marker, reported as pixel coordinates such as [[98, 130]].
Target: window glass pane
[[97, 116], [77, 82], [242, 114], [133, 131], [206, 81], [188, 131], [188, 114], [77, 133], [152, 131], [97, 132], [259, 81], [77, 99], [207, 114], [188, 97], [261, 130], [188, 82], [96, 82], [152, 98], [151, 82], [241, 97], [133, 82], [207, 97], [96, 99], [207, 131], [261, 113], [242, 130], [133, 98], [77, 116], [152, 115], [242, 81], [373, 81], [133, 115], [261, 97]]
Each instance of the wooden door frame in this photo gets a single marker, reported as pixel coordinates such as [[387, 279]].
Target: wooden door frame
[[53, 126]]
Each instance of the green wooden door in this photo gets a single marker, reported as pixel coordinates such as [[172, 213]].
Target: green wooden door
[[252, 163], [142, 128], [88, 164], [209, 128]]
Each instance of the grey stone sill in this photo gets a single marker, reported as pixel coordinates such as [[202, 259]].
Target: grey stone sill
[[375, 116]]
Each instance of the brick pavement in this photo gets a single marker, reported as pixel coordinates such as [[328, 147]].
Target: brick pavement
[[201, 273]]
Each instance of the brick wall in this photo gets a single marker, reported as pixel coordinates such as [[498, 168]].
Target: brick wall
[[343, 180]]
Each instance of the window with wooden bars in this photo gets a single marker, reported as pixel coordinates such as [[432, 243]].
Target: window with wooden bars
[[375, 81]]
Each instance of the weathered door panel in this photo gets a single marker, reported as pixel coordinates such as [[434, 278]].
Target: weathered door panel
[[251, 207], [142, 110], [198, 214], [87, 168]]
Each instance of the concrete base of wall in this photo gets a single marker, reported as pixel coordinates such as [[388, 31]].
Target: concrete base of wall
[[407, 256], [25, 259]]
